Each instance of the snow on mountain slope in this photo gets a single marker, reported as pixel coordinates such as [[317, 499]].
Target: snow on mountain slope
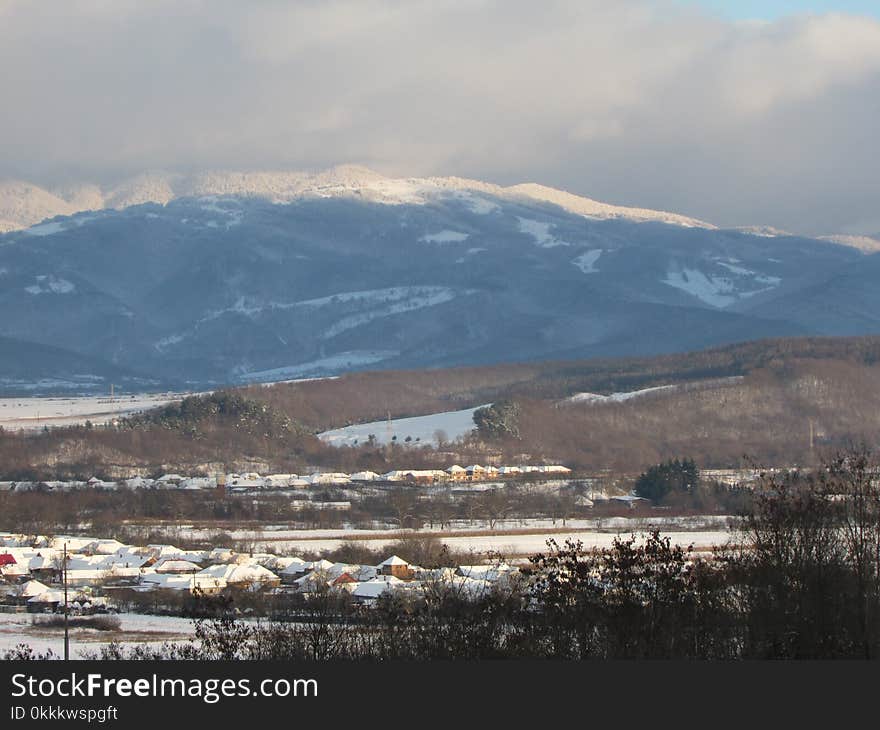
[[84, 196], [594, 209], [714, 291], [23, 204], [868, 244], [586, 262], [146, 188], [221, 284], [445, 236], [339, 362], [540, 231], [438, 295]]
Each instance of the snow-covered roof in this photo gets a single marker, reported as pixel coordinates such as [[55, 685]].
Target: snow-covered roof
[[177, 566], [33, 588], [240, 573], [374, 588], [318, 565], [393, 560], [48, 596], [104, 547]]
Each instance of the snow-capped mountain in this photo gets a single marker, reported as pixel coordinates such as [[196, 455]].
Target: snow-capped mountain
[[190, 281], [23, 204]]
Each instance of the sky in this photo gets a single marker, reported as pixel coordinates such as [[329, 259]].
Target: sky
[[669, 104], [773, 9]]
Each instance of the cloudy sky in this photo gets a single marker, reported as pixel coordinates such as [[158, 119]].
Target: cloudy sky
[[705, 107]]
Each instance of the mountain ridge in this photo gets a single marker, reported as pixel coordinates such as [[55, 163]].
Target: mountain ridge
[[358, 271], [24, 204]]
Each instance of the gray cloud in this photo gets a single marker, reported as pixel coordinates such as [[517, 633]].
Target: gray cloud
[[632, 102]]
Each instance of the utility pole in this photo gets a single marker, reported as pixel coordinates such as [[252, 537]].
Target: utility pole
[[66, 626], [389, 433]]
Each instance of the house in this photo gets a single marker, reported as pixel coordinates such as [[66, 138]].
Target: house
[[193, 483], [345, 581], [491, 573], [279, 481], [364, 476], [74, 544], [369, 591], [475, 471], [245, 481], [101, 485], [138, 483], [396, 567], [629, 500], [328, 478], [297, 568], [192, 582], [245, 577], [16, 562], [48, 600], [103, 547], [425, 476], [219, 555], [23, 593], [277, 564], [170, 565], [169, 480], [365, 573], [457, 473], [555, 469]]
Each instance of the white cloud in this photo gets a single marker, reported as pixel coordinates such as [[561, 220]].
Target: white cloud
[[635, 102]]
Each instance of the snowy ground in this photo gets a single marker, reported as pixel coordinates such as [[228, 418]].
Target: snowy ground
[[352, 359], [509, 544], [18, 628], [513, 538], [33, 413], [421, 429], [613, 525]]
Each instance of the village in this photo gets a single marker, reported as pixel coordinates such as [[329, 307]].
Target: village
[[34, 572], [243, 482]]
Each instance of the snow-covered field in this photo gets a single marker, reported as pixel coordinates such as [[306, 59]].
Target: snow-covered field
[[614, 525], [18, 628], [31, 413], [511, 545], [513, 538], [421, 429]]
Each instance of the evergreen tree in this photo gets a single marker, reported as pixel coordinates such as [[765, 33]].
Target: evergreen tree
[[673, 475]]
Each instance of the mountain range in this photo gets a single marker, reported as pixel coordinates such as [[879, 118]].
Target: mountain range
[[196, 281]]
